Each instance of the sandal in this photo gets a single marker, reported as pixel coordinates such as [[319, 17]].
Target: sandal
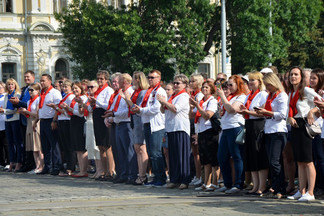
[[140, 180]]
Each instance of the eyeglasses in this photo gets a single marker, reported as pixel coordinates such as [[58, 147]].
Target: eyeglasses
[[151, 77], [177, 83], [61, 82], [90, 87], [31, 90]]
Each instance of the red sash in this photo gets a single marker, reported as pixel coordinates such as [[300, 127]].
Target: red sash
[[147, 94], [198, 115], [112, 97], [175, 95], [269, 101], [85, 111], [249, 101], [95, 95], [43, 95], [62, 101], [134, 98], [292, 103], [228, 99], [194, 93], [72, 106], [30, 103]]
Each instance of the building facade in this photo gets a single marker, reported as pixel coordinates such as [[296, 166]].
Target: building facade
[[30, 40]]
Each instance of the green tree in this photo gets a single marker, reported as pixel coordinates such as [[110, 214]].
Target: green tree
[[166, 35]]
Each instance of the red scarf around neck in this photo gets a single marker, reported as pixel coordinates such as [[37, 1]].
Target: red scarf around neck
[[147, 94], [73, 102], [175, 95], [249, 101], [30, 104], [194, 93], [198, 115], [95, 95], [134, 98], [112, 97], [62, 101], [292, 103], [270, 99], [230, 97], [43, 95]]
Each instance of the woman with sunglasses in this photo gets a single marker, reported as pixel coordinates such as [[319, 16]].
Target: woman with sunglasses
[[177, 126], [275, 129], [61, 121], [12, 124], [232, 123], [301, 112], [33, 142]]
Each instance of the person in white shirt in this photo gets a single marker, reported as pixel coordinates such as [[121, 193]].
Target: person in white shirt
[[232, 123], [33, 142], [124, 151], [77, 127], [50, 148], [195, 83], [154, 126], [12, 125], [4, 157], [99, 102], [177, 126], [61, 121], [301, 112], [256, 160], [207, 136], [275, 129]]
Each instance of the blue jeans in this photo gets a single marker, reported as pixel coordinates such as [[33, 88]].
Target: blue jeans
[[15, 143], [229, 148], [154, 150], [127, 160], [275, 144]]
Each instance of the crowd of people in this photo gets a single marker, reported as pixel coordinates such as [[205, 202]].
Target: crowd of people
[[248, 131]]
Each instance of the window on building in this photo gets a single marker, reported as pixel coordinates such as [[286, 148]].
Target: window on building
[[59, 5], [204, 68], [61, 68], [8, 71], [5, 6]]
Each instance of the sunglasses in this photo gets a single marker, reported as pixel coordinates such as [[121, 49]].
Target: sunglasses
[[31, 90], [177, 83], [230, 85], [90, 87], [151, 77], [60, 82]]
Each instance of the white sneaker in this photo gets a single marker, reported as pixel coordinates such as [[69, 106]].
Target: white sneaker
[[222, 189], [32, 172], [211, 187], [233, 190], [201, 188], [306, 197], [198, 182], [193, 181], [296, 196]]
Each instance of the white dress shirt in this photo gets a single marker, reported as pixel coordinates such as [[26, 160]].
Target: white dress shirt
[[76, 106], [178, 121], [257, 101], [279, 108], [151, 113], [64, 115], [303, 106], [53, 96], [233, 120], [103, 98], [203, 124], [121, 115]]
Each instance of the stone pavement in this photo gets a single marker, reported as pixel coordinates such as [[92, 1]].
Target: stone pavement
[[25, 194]]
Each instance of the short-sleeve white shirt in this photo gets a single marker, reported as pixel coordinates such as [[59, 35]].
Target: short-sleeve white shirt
[[228, 120]]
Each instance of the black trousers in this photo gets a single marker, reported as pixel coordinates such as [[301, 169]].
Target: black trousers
[[4, 155], [66, 146]]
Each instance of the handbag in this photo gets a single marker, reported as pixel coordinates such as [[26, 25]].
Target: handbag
[[216, 125], [313, 129], [240, 138]]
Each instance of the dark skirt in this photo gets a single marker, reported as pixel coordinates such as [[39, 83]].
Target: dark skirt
[[77, 133], [255, 154], [301, 142], [101, 132], [208, 146]]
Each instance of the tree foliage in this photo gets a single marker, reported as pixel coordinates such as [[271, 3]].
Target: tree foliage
[[166, 35]]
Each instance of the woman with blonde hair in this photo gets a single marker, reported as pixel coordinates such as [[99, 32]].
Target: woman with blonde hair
[[195, 83], [33, 142], [139, 83], [275, 129], [255, 155], [15, 143]]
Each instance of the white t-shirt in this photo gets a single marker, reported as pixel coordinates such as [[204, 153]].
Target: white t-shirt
[[258, 101], [178, 121], [203, 124], [76, 106], [53, 96], [229, 121]]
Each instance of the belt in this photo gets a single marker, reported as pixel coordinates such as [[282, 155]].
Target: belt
[[49, 119], [120, 123]]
